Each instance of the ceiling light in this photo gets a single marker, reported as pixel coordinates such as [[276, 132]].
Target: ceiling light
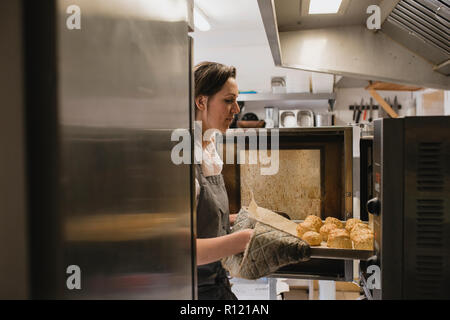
[[200, 20], [324, 6]]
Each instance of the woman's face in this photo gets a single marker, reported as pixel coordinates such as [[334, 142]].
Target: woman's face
[[221, 107]]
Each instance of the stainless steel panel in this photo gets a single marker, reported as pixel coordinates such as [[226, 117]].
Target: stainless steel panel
[[398, 33], [422, 27], [267, 9], [423, 24], [388, 225], [340, 254], [125, 214], [129, 60], [124, 207], [417, 11], [193, 197], [355, 51], [14, 278], [438, 7], [443, 67]]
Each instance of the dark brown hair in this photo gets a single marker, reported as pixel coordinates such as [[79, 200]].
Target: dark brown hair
[[210, 77]]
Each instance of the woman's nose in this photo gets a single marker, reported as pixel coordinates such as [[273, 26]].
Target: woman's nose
[[236, 108]]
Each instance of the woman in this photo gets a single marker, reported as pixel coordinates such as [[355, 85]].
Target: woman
[[216, 92]]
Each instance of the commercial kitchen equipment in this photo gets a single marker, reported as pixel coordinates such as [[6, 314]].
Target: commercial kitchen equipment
[[410, 207], [270, 123], [326, 154], [411, 45], [296, 118], [323, 119], [404, 197], [93, 109]]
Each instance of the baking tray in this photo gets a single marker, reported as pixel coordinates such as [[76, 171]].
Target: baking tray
[[280, 222], [340, 254], [325, 252]]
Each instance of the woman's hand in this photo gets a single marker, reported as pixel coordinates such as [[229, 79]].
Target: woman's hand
[[233, 218]]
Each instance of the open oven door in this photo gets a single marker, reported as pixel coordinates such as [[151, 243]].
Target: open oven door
[[314, 176]]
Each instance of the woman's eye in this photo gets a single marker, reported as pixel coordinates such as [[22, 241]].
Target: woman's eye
[[229, 101]]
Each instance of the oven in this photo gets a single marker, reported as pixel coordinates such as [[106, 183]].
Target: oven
[[314, 177], [409, 209]]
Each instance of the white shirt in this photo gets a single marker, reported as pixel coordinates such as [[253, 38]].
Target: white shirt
[[211, 162]]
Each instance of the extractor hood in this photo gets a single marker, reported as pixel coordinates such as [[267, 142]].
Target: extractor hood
[[412, 47]]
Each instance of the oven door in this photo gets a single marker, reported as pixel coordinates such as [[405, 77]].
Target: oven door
[[314, 176]]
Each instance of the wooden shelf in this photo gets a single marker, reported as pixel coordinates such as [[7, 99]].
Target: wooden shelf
[[385, 86], [285, 96]]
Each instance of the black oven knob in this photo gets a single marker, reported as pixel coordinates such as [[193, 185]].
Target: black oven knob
[[373, 206]]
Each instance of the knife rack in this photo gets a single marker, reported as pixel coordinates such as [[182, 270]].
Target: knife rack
[[367, 107]]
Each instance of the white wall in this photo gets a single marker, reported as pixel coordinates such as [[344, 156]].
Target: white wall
[[254, 66], [244, 45], [250, 53], [350, 96]]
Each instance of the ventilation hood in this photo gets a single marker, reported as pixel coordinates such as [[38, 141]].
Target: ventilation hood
[[412, 47]]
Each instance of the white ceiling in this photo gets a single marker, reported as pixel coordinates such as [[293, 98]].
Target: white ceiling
[[231, 14], [237, 37], [290, 17], [233, 23]]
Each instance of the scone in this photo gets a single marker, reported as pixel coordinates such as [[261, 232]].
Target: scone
[[304, 227], [315, 221], [335, 221], [359, 225], [339, 238], [358, 229], [313, 238], [326, 229], [363, 241], [350, 223]]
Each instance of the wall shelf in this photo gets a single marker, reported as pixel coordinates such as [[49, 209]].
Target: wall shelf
[[270, 97]]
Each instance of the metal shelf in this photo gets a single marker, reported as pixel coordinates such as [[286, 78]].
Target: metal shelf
[[285, 96]]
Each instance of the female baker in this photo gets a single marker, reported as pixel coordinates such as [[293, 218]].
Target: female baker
[[216, 92]]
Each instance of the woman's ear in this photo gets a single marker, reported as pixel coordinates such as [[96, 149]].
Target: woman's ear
[[201, 102]]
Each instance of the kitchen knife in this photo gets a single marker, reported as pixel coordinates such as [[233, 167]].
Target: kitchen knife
[[395, 107], [370, 110], [358, 115]]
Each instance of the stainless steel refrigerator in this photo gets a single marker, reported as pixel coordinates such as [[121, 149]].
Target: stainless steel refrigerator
[[99, 209]]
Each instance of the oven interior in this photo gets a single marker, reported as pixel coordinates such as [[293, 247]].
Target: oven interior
[[314, 177]]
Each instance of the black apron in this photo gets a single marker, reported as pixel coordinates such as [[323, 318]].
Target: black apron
[[212, 221]]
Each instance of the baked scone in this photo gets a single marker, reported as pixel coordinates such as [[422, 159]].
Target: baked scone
[[339, 231], [313, 238], [335, 221], [359, 229], [350, 223], [363, 241], [360, 225], [315, 221], [326, 229], [304, 227], [339, 238]]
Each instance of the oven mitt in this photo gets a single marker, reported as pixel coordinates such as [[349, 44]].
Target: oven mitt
[[268, 250]]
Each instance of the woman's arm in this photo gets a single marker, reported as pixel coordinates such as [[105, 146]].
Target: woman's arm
[[214, 249]]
